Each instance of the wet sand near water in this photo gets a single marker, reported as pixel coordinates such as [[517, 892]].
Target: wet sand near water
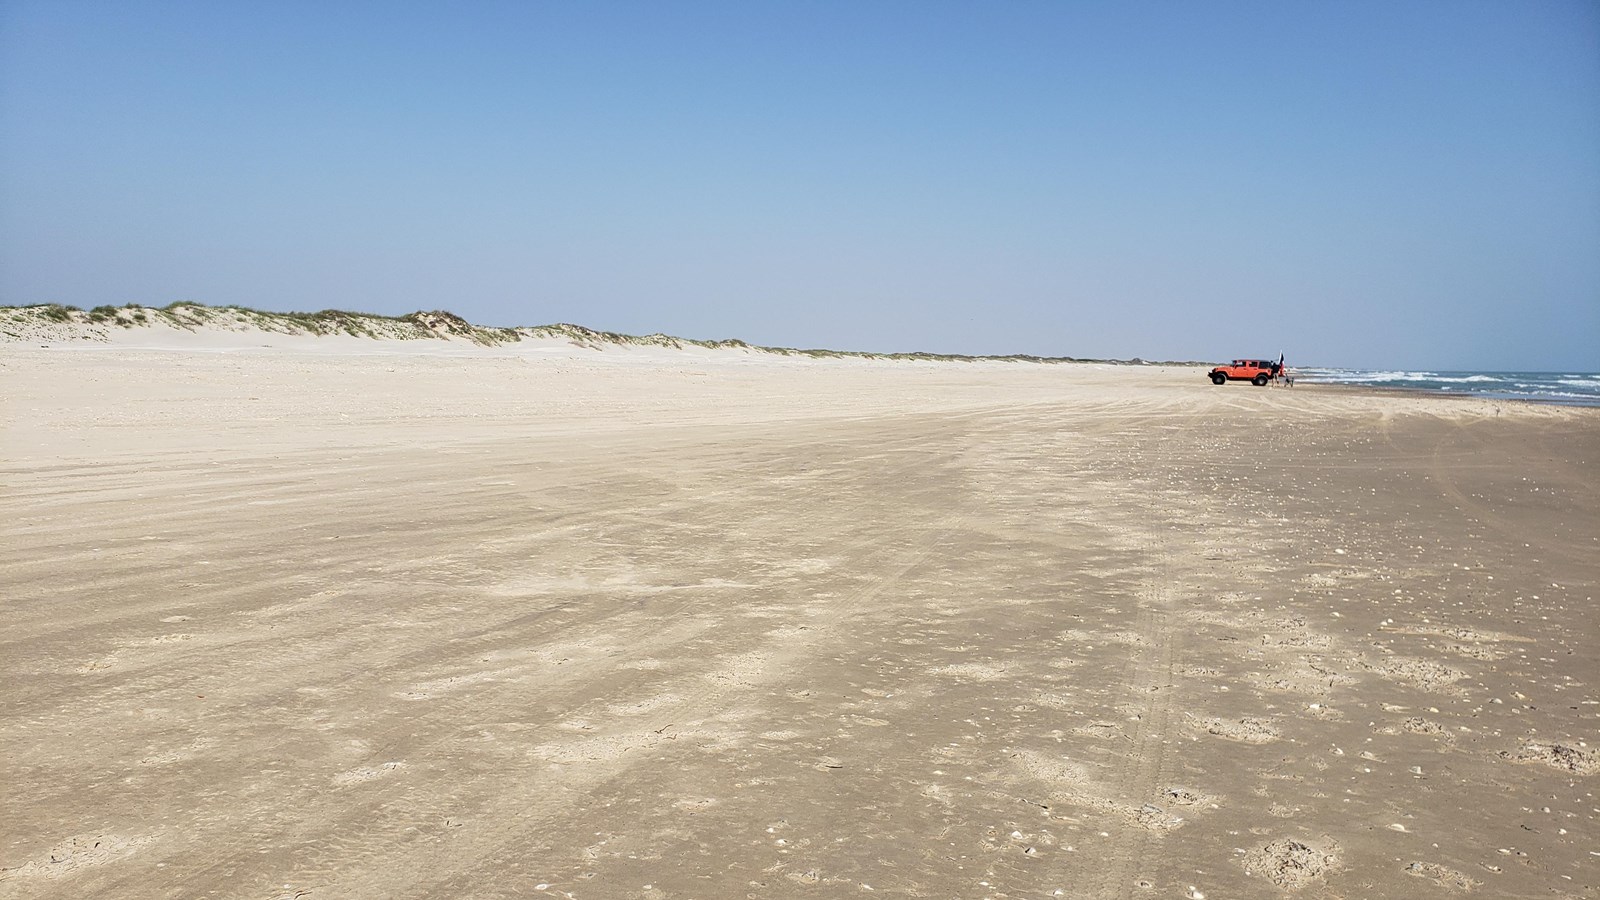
[[288, 625]]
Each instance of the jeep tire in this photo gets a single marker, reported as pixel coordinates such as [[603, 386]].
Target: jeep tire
[[1218, 378], [1259, 380]]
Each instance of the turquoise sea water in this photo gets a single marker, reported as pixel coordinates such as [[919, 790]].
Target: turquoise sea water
[[1564, 388]]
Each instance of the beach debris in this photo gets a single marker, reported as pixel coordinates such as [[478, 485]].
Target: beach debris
[[1183, 796], [1151, 816], [1425, 674], [1247, 730], [1444, 875], [1419, 725], [1292, 864], [1577, 760]]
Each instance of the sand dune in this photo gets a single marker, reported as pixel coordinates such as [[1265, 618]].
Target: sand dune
[[342, 617]]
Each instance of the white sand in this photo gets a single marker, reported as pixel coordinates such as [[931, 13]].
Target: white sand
[[336, 617]]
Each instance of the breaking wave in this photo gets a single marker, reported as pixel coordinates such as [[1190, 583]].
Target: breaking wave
[[1565, 388]]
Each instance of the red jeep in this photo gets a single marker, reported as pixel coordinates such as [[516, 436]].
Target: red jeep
[[1256, 371]]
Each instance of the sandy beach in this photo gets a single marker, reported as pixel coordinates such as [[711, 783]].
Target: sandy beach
[[337, 618]]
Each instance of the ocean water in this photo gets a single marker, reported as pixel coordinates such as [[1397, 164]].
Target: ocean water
[[1564, 388]]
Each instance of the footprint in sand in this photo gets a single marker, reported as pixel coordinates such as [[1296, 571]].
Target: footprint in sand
[[1567, 758], [1292, 864], [1421, 673], [1419, 725], [1247, 730], [1444, 876], [1178, 796]]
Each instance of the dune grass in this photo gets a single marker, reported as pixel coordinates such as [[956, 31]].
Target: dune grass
[[444, 325]]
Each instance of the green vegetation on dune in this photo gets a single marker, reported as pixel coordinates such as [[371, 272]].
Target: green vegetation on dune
[[434, 325], [55, 312]]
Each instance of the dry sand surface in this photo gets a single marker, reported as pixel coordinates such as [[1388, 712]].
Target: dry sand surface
[[319, 621]]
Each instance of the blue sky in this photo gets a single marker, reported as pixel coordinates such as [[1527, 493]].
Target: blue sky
[[1365, 184]]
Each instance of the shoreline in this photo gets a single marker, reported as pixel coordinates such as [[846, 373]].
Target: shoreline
[[1553, 388], [1566, 403]]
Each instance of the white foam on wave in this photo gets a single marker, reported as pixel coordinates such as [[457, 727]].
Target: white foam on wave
[[1581, 388]]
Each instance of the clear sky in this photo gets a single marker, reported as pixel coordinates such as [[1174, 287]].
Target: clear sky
[[1369, 184]]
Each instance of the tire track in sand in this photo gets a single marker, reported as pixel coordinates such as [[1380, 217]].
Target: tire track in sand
[[1150, 676], [564, 770]]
